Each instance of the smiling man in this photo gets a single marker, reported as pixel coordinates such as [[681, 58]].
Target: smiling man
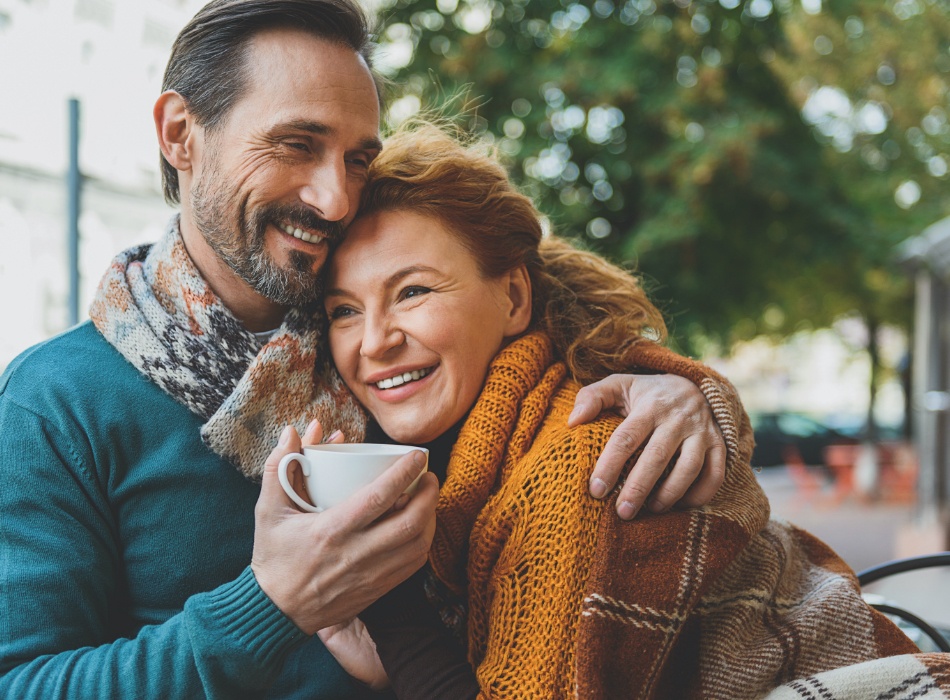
[[146, 549]]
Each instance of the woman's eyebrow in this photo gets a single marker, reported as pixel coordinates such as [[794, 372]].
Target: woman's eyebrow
[[390, 282], [397, 277]]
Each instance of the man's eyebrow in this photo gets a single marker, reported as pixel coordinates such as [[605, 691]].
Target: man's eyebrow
[[370, 143], [393, 279]]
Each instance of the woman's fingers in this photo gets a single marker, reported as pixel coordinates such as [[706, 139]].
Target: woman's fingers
[[313, 435]]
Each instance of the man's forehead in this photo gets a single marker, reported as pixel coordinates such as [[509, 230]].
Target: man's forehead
[[289, 55], [298, 81]]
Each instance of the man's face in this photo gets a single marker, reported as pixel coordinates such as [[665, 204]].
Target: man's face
[[279, 179]]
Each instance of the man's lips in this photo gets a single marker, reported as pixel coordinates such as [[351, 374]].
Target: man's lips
[[303, 224], [305, 236]]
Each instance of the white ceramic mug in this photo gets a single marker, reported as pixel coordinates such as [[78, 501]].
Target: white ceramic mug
[[334, 472]]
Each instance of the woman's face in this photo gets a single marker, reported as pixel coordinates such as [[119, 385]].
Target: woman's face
[[414, 324]]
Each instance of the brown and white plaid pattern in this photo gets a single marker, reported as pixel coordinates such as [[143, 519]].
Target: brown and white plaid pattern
[[722, 602], [155, 308], [907, 677]]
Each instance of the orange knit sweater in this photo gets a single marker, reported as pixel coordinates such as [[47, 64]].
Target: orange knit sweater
[[567, 600], [515, 526]]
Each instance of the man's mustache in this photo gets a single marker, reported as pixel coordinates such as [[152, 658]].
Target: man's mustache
[[305, 219]]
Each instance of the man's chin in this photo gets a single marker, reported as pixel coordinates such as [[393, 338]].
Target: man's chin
[[288, 286]]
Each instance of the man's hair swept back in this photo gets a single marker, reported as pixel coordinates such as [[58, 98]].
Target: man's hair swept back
[[208, 64]]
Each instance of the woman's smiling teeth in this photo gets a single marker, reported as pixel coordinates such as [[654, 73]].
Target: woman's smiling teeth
[[403, 378], [301, 234]]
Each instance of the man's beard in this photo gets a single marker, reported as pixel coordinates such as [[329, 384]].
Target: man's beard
[[241, 244]]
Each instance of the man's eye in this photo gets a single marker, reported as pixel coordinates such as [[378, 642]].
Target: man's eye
[[358, 161], [301, 146], [410, 292]]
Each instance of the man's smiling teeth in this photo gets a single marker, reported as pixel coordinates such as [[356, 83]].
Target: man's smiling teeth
[[301, 234], [401, 379]]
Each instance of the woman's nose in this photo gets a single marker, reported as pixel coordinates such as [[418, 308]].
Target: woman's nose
[[379, 337]]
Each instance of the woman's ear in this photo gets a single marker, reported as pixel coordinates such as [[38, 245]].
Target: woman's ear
[[518, 289], [175, 128]]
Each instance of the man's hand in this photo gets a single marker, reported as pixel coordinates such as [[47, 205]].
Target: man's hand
[[322, 569], [668, 416]]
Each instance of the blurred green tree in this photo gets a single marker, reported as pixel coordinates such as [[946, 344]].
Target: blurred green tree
[[680, 136], [874, 81]]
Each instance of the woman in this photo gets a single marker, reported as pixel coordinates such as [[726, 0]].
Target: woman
[[447, 310]]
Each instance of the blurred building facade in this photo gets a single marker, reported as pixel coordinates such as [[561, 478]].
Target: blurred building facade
[[110, 55], [927, 256]]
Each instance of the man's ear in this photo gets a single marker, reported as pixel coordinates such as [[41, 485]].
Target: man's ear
[[176, 130], [518, 289]]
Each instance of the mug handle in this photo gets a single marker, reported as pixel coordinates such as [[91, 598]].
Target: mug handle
[[285, 482]]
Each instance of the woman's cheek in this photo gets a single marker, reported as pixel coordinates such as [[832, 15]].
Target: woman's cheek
[[344, 348]]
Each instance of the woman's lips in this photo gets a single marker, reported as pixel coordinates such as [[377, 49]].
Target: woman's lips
[[404, 390], [400, 378]]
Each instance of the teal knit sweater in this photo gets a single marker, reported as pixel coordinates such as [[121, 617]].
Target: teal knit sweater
[[125, 545]]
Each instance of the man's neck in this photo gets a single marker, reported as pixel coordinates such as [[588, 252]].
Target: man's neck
[[257, 313]]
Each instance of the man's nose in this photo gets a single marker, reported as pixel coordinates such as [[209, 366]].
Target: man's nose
[[326, 192], [380, 336]]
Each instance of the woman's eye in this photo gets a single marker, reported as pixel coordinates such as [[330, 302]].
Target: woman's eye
[[410, 292], [341, 312]]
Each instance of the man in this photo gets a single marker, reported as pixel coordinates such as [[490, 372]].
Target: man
[[135, 560]]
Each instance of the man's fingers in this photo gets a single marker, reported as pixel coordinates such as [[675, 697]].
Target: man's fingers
[[396, 546], [375, 499], [626, 439], [688, 465], [403, 537], [657, 453], [594, 399], [705, 488]]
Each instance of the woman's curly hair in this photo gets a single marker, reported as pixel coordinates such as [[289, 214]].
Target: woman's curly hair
[[592, 310]]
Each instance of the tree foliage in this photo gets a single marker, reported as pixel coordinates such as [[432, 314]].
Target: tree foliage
[[669, 134]]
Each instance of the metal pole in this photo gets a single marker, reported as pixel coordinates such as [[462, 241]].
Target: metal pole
[[73, 188]]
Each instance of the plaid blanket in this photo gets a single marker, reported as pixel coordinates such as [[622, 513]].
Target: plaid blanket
[[727, 603]]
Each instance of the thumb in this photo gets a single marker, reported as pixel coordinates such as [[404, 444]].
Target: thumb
[[272, 493], [592, 400]]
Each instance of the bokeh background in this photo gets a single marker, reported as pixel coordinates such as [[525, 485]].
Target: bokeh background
[[760, 163]]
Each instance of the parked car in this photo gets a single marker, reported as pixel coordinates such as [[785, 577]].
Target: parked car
[[775, 433]]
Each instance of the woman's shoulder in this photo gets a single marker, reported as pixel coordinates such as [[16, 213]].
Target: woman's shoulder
[[592, 435]]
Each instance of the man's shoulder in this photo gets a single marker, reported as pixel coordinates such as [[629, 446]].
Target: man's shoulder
[[77, 348], [77, 362]]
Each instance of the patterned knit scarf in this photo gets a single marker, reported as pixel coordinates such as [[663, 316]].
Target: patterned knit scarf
[[154, 307]]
